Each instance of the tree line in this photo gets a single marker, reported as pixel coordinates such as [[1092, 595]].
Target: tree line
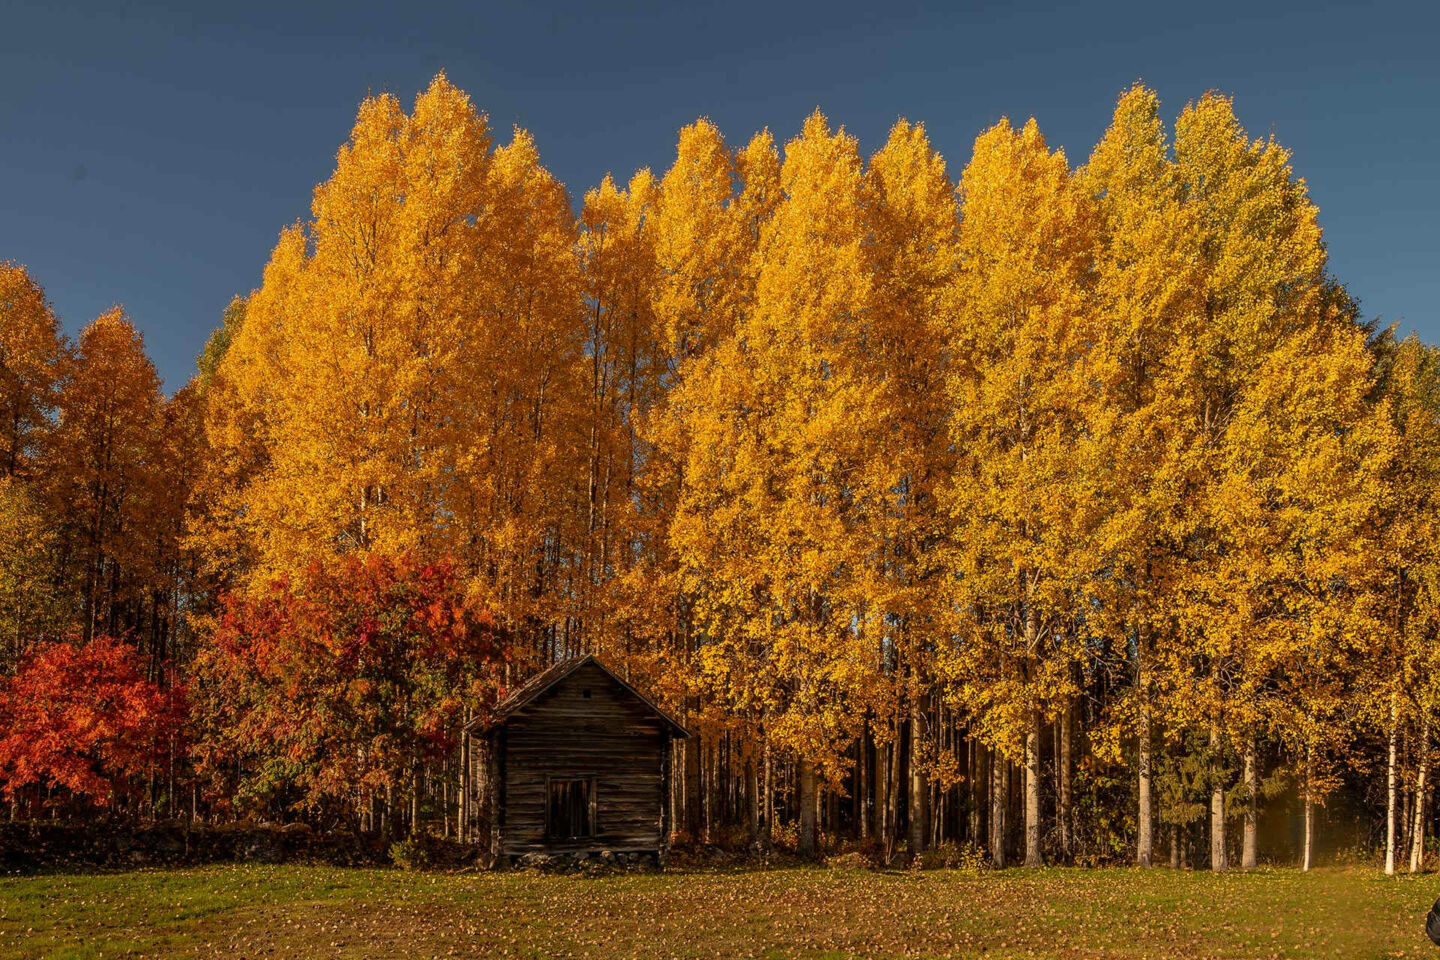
[[1067, 513]]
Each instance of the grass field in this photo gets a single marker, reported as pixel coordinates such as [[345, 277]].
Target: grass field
[[289, 911]]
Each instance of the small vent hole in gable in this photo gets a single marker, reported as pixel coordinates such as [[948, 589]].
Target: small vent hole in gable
[[585, 694]]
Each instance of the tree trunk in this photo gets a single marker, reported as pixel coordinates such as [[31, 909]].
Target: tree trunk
[[977, 772], [1032, 792], [864, 804], [806, 774], [1390, 793], [752, 800], [691, 746], [1417, 833], [1407, 793], [1064, 761], [710, 765], [919, 788], [1249, 854], [882, 798], [1174, 846], [1145, 843], [1309, 811], [892, 793], [769, 802], [1217, 806], [999, 777]]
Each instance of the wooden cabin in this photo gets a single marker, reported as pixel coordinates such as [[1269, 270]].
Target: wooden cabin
[[575, 762]]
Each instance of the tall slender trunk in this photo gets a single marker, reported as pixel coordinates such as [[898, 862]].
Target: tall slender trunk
[[977, 771], [806, 776], [1249, 854], [1309, 810], [709, 758], [1064, 761], [691, 778], [999, 778], [769, 802], [1032, 734], [1145, 842], [892, 792], [1417, 833], [1217, 805], [919, 788], [864, 804], [1390, 792], [1032, 792], [1407, 793], [752, 800], [882, 799], [1174, 846]]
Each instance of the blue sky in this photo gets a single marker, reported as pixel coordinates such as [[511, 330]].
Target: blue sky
[[151, 153]]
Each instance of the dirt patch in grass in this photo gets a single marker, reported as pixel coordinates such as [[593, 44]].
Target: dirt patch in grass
[[296, 911]]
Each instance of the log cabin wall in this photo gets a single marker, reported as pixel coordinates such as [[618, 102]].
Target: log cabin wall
[[585, 727]]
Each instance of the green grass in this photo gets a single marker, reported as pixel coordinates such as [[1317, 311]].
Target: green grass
[[291, 911]]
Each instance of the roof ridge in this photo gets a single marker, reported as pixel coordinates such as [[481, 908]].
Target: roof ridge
[[538, 682]]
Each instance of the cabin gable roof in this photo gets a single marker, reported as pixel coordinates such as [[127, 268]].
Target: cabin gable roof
[[533, 688]]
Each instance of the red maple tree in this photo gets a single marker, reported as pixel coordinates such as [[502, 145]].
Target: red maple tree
[[83, 719]]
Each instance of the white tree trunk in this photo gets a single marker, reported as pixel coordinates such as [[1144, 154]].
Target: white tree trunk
[[1145, 843], [1032, 792], [1067, 733], [1390, 793], [1217, 807], [1249, 854], [1309, 813], [1417, 833]]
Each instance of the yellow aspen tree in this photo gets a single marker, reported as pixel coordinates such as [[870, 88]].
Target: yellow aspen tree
[[31, 358], [240, 406], [910, 208], [763, 525], [1268, 325], [1019, 504], [524, 401], [707, 223], [408, 377], [31, 607], [1319, 508], [1144, 282], [98, 468], [1405, 562], [695, 243], [626, 365]]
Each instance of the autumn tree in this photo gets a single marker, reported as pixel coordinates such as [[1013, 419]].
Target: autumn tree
[[1019, 501], [712, 206], [83, 722], [32, 356], [764, 526], [335, 690], [32, 605], [99, 470], [908, 202], [1280, 377], [406, 377], [1144, 280]]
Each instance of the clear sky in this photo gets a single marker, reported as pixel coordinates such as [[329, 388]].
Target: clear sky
[[150, 153]]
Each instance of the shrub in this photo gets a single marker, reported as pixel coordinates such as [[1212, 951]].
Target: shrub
[[84, 720], [951, 856]]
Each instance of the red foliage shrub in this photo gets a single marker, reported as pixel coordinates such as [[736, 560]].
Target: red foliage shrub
[[85, 720], [349, 679]]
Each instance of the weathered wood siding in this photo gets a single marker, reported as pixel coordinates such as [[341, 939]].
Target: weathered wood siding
[[610, 736]]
